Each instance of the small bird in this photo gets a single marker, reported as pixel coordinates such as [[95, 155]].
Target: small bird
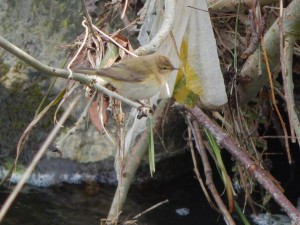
[[136, 78]]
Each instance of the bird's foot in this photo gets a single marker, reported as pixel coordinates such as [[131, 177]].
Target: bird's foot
[[144, 111]]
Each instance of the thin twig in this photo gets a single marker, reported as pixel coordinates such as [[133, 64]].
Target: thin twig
[[79, 50], [124, 10], [88, 18], [68, 92], [151, 208], [126, 27], [113, 41], [101, 118]]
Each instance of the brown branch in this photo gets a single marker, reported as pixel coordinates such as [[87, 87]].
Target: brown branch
[[240, 155]]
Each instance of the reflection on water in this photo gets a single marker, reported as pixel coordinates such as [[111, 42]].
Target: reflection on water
[[80, 204]]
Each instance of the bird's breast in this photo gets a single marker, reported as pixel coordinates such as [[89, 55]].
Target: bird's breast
[[139, 90]]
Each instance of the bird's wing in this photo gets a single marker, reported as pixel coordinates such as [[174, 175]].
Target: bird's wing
[[122, 72]]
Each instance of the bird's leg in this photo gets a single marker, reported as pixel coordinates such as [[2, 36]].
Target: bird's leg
[[144, 110]]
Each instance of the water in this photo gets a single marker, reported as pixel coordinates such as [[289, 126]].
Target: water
[[67, 204]]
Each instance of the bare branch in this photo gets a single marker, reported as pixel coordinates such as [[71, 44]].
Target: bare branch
[[56, 72]]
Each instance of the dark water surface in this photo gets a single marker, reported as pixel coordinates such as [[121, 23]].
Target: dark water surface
[[80, 204]]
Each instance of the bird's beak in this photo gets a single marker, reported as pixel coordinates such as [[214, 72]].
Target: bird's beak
[[175, 68]]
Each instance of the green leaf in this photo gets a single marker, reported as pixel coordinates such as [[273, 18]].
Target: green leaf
[[151, 153]]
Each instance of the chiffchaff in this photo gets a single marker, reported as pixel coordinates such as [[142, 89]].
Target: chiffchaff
[[136, 78]]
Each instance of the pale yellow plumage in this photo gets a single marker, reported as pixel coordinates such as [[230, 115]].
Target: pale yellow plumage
[[136, 78]]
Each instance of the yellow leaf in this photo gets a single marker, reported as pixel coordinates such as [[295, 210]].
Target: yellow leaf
[[188, 86]]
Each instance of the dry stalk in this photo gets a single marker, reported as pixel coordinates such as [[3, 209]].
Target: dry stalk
[[208, 174], [287, 147]]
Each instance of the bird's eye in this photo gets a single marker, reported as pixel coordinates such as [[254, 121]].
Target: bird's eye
[[164, 68]]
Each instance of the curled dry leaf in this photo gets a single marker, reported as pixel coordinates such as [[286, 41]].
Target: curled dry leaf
[[95, 115]]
